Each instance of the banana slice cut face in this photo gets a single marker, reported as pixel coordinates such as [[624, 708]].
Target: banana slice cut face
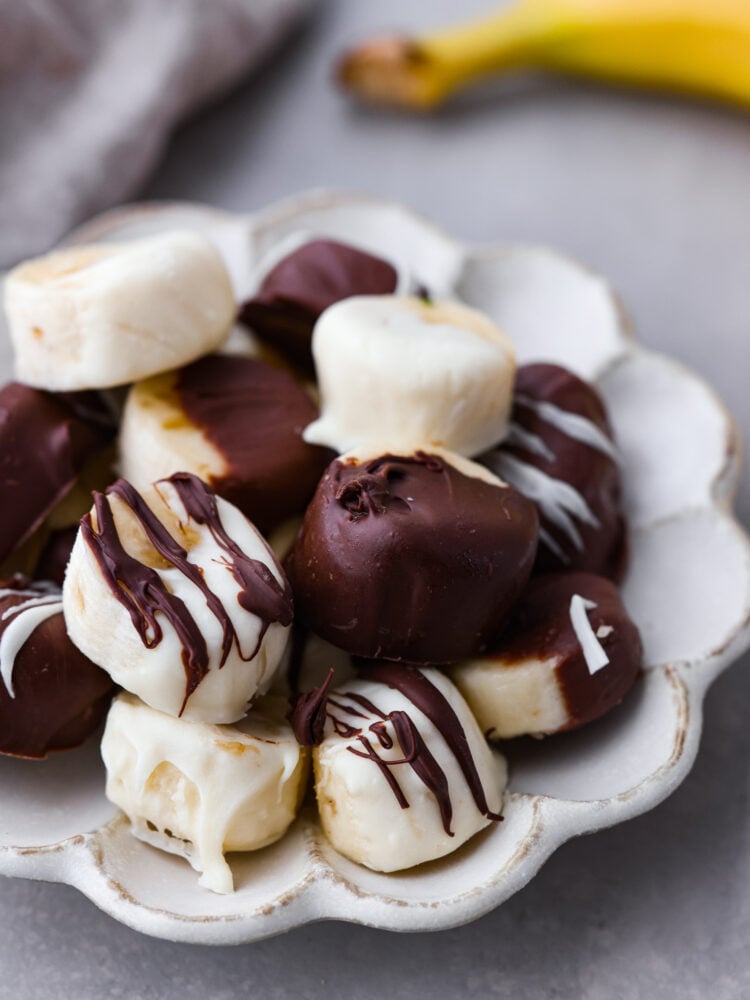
[[403, 774], [200, 790], [397, 373], [235, 422], [89, 317], [570, 654], [178, 597]]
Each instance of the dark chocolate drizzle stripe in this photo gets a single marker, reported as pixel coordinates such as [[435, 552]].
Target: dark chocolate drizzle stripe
[[413, 684], [140, 589], [309, 712]]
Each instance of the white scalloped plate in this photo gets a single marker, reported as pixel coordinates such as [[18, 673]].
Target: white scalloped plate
[[688, 588]]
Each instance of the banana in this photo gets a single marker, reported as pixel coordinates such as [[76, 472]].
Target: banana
[[403, 774], [177, 596], [568, 656], [233, 421], [199, 790], [107, 314], [398, 373], [689, 46]]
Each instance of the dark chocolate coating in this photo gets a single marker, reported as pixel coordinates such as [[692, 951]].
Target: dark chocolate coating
[[406, 558], [60, 695], [55, 555], [594, 475], [301, 286], [541, 628], [45, 439], [254, 414]]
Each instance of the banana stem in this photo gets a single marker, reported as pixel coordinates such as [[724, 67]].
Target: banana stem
[[421, 73]]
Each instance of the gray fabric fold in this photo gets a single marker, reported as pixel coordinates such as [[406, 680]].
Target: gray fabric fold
[[90, 90]]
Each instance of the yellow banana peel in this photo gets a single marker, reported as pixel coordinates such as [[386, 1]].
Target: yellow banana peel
[[693, 46]]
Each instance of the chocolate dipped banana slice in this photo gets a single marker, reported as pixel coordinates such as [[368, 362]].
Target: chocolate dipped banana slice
[[570, 653], [46, 441], [237, 423], [51, 696], [403, 774], [417, 557], [301, 285], [398, 373], [560, 453], [178, 596], [200, 790]]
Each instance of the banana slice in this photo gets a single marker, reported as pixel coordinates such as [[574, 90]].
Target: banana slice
[[403, 774], [398, 373], [178, 597], [235, 422], [108, 314], [199, 790], [570, 654]]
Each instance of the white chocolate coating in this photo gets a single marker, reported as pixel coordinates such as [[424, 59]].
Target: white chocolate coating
[[214, 788], [100, 625], [398, 374], [360, 814], [88, 317]]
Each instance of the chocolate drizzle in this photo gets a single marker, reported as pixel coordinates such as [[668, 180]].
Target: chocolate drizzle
[[56, 696], [349, 713], [560, 453], [145, 596]]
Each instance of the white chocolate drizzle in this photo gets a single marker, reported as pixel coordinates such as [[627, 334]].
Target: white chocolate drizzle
[[593, 652], [42, 603], [522, 438], [574, 425], [557, 500]]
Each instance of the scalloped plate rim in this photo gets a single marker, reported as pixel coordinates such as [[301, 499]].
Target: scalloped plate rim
[[79, 860]]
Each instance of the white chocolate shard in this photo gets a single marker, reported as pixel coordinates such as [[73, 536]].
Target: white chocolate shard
[[398, 373], [166, 612], [200, 790], [90, 317], [392, 792]]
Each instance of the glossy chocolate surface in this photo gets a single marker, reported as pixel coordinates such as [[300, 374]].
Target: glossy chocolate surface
[[406, 558], [254, 415], [55, 555], [45, 440], [588, 533], [301, 286], [60, 696], [360, 719], [147, 598], [541, 628]]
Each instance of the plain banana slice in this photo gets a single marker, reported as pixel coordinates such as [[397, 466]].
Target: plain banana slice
[[108, 314], [570, 654], [403, 774], [398, 373], [199, 790], [178, 597]]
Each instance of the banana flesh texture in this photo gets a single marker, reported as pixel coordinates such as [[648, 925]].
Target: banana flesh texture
[[92, 317], [692, 46]]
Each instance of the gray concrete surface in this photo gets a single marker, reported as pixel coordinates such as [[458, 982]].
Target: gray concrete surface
[[656, 194]]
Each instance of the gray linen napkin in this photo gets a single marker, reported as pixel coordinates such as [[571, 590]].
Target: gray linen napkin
[[90, 90]]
